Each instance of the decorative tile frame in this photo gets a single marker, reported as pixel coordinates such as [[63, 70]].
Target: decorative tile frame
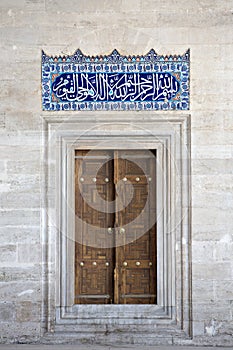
[[115, 82]]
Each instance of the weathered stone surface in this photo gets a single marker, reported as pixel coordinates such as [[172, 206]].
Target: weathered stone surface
[[29, 253], [8, 253], [2, 120], [212, 310], [26, 311], [223, 291], [21, 290], [7, 311], [212, 271], [203, 250], [212, 166], [20, 273], [19, 234], [100, 347], [19, 217], [206, 232]]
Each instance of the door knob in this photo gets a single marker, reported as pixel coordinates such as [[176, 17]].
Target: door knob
[[122, 230]]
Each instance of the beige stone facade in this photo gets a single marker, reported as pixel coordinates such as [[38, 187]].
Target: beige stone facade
[[132, 27]]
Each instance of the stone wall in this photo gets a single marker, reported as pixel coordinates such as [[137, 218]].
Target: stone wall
[[132, 27]]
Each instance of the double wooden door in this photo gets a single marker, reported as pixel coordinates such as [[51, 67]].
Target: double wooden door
[[115, 248]]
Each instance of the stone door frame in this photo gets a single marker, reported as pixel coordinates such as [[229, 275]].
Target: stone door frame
[[170, 136]]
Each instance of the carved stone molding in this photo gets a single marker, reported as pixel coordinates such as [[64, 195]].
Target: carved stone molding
[[170, 137]]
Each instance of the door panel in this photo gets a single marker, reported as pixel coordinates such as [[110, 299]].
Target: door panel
[[135, 261], [125, 273], [93, 265]]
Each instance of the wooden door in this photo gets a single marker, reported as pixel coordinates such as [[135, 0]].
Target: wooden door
[[125, 271], [94, 264], [135, 274]]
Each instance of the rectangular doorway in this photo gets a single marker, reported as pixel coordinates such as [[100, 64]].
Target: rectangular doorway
[[115, 227]]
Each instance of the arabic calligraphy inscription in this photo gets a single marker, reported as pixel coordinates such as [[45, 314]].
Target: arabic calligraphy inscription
[[115, 82]]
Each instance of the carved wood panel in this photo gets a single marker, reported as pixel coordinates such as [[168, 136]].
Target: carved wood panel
[[136, 261], [94, 264]]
